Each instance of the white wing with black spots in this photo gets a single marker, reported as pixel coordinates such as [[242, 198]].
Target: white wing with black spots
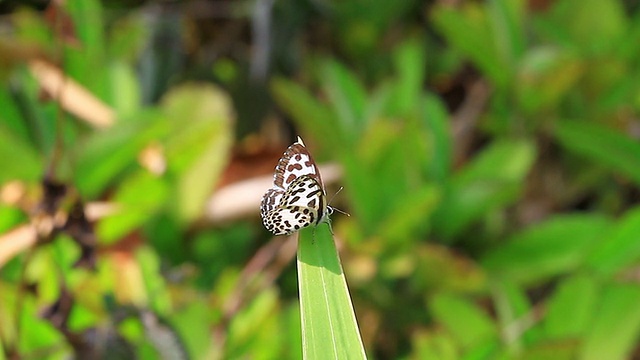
[[295, 162], [297, 198], [302, 204]]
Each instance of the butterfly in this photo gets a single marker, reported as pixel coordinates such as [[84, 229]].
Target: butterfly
[[297, 198]]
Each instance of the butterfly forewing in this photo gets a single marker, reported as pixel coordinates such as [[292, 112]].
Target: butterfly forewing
[[295, 162]]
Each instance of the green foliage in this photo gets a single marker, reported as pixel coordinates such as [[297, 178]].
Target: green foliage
[[491, 181], [489, 160], [549, 249], [604, 145]]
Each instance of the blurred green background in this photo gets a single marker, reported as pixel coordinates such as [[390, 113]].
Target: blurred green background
[[488, 151]]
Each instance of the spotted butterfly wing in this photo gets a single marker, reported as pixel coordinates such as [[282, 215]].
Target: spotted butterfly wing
[[297, 209], [297, 198], [295, 162]]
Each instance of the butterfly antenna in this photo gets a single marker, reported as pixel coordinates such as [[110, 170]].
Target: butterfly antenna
[[334, 208], [334, 195], [340, 211]]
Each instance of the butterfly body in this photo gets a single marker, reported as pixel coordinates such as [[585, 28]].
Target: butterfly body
[[297, 198]]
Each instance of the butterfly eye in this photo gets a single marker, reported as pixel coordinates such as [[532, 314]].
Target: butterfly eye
[[329, 210]]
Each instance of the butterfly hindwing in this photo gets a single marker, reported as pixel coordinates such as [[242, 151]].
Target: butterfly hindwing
[[286, 220], [271, 199], [305, 191], [300, 206]]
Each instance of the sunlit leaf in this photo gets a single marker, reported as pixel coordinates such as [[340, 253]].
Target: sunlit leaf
[[437, 122], [620, 248], [410, 214], [572, 307], [435, 345], [546, 76], [154, 282], [20, 161], [469, 325], [197, 153], [347, 94], [616, 324], [82, 62], [193, 330], [308, 112], [409, 61], [135, 201], [491, 181], [329, 325], [602, 145], [556, 246], [125, 90], [106, 155], [254, 327], [469, 30]]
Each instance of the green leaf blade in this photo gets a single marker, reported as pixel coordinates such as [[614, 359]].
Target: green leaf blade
[[572, 307], [329, 326], [620, 248], [491, 181], [601, 145], [463, 319], [547, 249], [615, 328]]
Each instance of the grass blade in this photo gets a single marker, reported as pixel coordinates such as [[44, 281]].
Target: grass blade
[[329, 326]]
